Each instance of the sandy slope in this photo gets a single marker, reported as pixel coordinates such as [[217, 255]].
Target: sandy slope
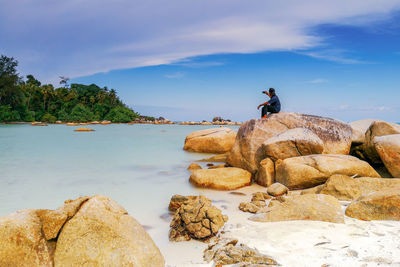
[[295, 243]]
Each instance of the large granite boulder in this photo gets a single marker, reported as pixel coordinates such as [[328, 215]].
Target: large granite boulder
[[93, 231], [381, 205], [309, 171], [359, 128], [102, 233], [22, 242], [317, 207], [54, 220], [377, 128], [221, 178], [265, 175], [214, 140], [347, 188], [246, 153], [196, 218], [388, 148], [293, 143]]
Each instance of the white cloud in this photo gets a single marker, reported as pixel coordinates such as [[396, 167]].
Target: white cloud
[[318, 80], [76, 38], [338, 56], [176, 75]]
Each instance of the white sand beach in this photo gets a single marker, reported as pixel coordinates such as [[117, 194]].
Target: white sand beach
[[294, 243]]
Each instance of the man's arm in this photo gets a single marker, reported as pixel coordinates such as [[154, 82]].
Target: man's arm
[[272, 101], [259, 106]]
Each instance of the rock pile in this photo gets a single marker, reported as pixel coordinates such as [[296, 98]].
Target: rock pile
[[247, 152], [257, 202], [196, 218], [89, 230], [230, 251]]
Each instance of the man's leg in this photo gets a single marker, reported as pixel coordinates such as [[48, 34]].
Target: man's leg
[[264, 111]]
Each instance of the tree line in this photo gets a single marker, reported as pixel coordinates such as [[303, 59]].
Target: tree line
[[30, 100]]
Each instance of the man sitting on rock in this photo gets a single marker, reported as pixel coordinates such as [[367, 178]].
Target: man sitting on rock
[[272, 106]]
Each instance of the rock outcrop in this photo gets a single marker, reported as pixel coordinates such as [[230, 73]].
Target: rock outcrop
[[217, 158], [54, 220], [221, 178], [292, 143], [309, 171], [277, 189], [381, 205], [102, 233], [229, 251], [194, 166], [214, 140], [317, 207], [377, 128], [359, 128], [388, 148], [177, 201], [246, 153], [196, 218], [347, 188], [22, 242], [265, 175], [92, 231], [257, 202]]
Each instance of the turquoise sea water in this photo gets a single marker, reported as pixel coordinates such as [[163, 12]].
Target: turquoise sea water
[[140, 166]]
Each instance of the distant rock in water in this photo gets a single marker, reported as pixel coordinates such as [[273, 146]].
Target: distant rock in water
[[214, 140], [93, 230], [39, 123], [247, 153], [83, 130]]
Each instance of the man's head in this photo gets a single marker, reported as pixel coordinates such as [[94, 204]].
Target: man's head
[[271, 91]]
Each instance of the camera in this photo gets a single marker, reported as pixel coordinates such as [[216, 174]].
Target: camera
[[264, 92]]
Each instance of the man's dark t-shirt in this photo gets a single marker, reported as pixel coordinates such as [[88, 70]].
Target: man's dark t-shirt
[[275, 103]]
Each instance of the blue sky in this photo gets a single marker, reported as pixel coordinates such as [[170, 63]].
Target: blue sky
[[193, 60]]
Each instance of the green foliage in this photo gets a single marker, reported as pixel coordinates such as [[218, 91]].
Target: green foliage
[[31, 100], [49, 118], [121, 114], [80, 113], [32, 80], [7, 114], [29, 116], [62, 115]]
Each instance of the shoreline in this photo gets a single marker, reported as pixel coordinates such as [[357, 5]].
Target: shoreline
[[128, 123]]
